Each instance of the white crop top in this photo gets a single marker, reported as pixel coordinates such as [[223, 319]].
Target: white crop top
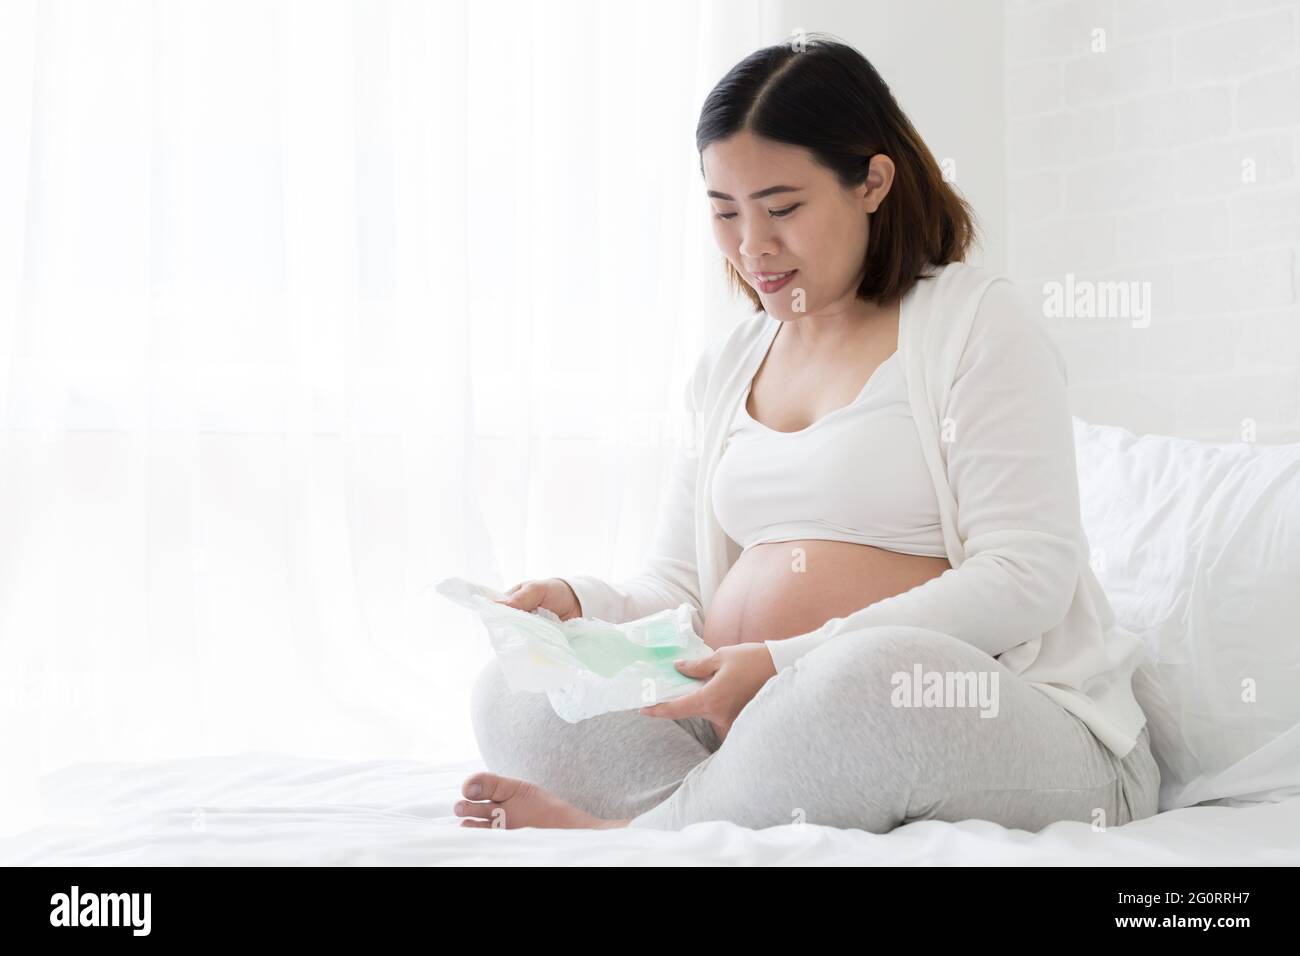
[[856, 474]]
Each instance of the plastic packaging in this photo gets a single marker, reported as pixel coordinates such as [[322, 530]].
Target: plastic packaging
[[586, 666]]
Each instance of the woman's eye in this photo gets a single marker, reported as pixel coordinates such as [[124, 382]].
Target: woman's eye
[[778, 213]]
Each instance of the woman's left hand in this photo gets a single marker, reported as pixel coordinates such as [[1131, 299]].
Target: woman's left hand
[[733, 675]]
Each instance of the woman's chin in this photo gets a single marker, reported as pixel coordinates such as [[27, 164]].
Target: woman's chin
[[780, 309]]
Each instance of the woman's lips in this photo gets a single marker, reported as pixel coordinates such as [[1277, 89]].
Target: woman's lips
[[772, 285]]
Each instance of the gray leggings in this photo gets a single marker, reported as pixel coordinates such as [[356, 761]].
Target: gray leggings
[[823, 742]]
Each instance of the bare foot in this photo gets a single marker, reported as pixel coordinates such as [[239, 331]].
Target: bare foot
[[509, 803]]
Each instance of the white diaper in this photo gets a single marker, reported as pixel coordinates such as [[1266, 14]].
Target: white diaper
[[586, 666]]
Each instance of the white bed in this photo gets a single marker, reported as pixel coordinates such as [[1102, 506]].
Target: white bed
[[1198, 547], [262, 808]]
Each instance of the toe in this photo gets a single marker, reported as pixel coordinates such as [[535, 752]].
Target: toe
[[479, 785], [467, 808], [491, 786]]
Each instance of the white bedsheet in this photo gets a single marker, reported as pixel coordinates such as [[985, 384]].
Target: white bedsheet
[[264, 808]]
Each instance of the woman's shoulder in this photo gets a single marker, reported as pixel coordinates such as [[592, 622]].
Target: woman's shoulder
[[1007, 327], [969, 312], [729, 347], [954, 283], [724, 351], [990, 300]]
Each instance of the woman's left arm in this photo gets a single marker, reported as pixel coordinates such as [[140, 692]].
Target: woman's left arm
[[1011, 467]]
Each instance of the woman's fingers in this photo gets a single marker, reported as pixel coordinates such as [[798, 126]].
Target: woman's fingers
[[694, 704], [700, 667], [525, 596], [511, 596]]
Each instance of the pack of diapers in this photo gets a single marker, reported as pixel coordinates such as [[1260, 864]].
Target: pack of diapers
[[586, 666]]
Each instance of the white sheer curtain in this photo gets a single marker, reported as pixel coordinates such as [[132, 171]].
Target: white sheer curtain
[[305, 306]]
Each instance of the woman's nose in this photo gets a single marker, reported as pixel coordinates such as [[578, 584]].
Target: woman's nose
[[756, 243]]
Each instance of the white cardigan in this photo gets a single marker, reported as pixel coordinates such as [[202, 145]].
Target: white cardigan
[[987, 388]]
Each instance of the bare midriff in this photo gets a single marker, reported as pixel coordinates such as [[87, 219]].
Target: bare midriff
[[783, 588]]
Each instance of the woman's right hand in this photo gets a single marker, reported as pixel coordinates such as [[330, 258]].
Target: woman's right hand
[[554, 594]]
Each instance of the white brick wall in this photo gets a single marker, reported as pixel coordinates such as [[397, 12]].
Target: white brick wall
[[1167, 155]]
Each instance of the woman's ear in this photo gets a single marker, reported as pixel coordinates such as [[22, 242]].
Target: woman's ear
[[880, 177]]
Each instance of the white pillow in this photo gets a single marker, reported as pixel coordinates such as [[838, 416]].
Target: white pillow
[[1197, 545]]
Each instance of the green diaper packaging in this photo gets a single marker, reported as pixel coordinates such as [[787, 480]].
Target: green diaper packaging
[[586, 666]]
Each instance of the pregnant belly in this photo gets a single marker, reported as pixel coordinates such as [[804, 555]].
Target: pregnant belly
[[784, 588]]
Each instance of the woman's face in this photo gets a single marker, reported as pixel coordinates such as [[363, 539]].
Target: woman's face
[[775, 209]]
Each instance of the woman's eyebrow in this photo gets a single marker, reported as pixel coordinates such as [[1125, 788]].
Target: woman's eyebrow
[[714, 194]]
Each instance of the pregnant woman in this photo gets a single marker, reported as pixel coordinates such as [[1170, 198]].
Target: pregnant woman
[[879, 529]]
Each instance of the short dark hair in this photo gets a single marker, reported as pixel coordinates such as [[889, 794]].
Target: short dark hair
[[825, 96]]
